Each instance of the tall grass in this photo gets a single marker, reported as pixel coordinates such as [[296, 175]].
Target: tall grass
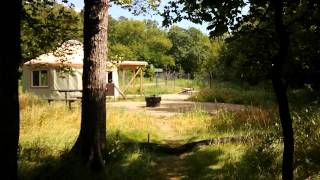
[[236, 96], [47, 132]]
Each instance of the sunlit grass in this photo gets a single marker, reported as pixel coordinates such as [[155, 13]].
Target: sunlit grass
[[48, 131], [222, 92], [161, 86], [56, 127]]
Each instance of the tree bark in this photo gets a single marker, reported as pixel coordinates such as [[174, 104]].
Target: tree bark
[[281, 91], [91, 143], [9, 62]]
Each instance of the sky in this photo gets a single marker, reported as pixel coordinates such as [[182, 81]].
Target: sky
[[116, 11]]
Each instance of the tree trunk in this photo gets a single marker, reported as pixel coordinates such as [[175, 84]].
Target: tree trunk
[[281, 91], [9, 62], [91, 143]]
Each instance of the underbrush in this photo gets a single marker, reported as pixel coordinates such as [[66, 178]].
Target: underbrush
[[306, 125], [307, 146], [248, 121], [236, 96], [260, 95]]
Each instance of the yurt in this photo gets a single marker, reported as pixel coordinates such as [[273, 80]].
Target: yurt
[[50, 74]]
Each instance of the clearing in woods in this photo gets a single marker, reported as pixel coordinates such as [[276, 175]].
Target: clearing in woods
[[172, 104], [173, 166]]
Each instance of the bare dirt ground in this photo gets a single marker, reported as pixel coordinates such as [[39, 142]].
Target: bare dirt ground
[[172, 104]]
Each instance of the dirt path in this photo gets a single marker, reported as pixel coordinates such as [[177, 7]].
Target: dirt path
[[169, 167], [172, 104], [172, 167]]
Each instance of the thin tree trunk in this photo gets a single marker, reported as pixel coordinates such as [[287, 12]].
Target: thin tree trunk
[[91, 143], [281, 91], [210, 79], [9, 62], [287, 130], [166, 75]]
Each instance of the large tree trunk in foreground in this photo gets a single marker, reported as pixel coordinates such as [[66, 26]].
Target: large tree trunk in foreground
[[281, 91], [91, 143], [10, 55]]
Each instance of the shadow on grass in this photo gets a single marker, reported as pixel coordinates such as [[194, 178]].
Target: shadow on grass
[[209, 162], [54, 167], [134, 164], [199, 163], [36, 162]]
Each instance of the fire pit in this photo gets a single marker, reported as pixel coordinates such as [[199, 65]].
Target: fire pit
[[153, 101]]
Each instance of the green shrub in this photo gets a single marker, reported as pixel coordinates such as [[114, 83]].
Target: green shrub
[[235, 95], [307, 138]]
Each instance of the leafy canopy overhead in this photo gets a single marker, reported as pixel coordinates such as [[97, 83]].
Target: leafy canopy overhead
[[253, 42], [224, 15], [138, 6], [221, 15], [45, 25]]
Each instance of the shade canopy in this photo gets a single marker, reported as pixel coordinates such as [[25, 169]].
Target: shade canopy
[[131, 64]]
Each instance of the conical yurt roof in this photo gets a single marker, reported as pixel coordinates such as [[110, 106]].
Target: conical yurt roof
[[69, 54]]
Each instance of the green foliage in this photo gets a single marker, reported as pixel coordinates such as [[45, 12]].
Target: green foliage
[[210, 67], [306, 123], [138, 7], [45, 25], [307, 126], [190, 48], [220, 17], [233, 93], [246, 57], [139, 40], [127, 32], [149, 72], [118, 52], [253, 43]]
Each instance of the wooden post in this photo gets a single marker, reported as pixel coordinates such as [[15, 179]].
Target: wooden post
[[66, 97], [123, 78], [141, 78], [134, 82], [129, 83]]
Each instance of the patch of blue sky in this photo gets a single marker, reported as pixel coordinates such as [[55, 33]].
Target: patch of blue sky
[[116, 11]]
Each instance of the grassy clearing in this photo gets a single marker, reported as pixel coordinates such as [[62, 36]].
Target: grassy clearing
[[163, 87], [224, 92], [260, 95], [49, 131]]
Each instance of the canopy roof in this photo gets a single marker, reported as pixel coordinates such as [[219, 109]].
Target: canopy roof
[[131, 64]]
